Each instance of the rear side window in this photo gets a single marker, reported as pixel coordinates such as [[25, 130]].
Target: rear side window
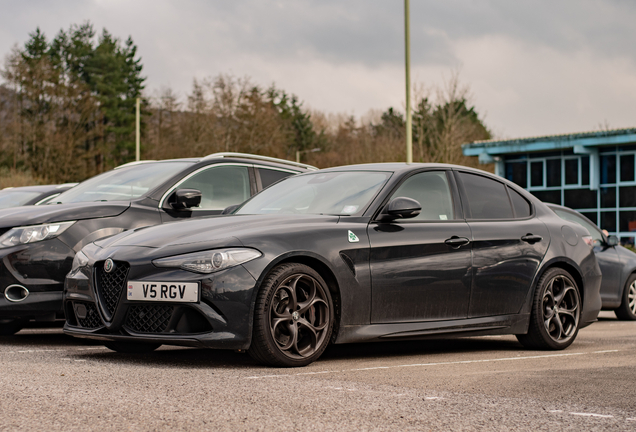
[[520, 204], [270, 176], [487, 198]]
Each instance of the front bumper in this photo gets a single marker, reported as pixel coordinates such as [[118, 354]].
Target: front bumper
[[222, 318], [40, 268]]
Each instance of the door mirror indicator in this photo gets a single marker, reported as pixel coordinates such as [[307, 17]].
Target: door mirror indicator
[[612, 240], [401, 208], [186, 198]]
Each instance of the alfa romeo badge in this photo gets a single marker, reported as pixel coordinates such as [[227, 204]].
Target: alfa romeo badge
[[109, 265]]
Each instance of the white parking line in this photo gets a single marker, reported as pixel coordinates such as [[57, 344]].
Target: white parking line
[[52, 350], [438, 364], [592, 415]]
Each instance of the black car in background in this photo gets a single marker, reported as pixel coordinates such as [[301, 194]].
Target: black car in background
[[38, 244], [618, 265], [372, 252], [31, 195]]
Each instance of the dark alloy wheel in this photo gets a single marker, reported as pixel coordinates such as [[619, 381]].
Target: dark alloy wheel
[[556, 310], [627, 310], [293, 317], [10, 327], [131, 347]]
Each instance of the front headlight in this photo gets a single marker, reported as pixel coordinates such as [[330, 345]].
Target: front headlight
[[80, 260], [33, 233], [209, 261]]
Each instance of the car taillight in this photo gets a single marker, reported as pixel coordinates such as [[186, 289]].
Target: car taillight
[[589, 240]]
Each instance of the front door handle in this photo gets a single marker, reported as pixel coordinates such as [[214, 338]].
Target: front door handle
[[456, 242], [531, 238]]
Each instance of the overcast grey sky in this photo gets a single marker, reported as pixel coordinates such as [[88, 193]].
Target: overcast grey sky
[[533, 67]]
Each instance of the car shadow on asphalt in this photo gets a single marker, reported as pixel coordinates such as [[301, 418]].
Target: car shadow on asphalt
[[175, 357]]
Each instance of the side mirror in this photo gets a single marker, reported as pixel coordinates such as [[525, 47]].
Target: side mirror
[[612, 240], [401, 208], [186, 198], [230, 209]]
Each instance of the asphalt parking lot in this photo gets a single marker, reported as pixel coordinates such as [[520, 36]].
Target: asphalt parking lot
[[52, 382]]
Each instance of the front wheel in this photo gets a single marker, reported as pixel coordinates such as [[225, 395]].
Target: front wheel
[[293, 317], [131, 347], [10, 327], [556, 310], [627, 310]]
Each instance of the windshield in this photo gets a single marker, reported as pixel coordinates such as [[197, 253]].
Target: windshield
[[14, 198], [122, 184], [333, 193]]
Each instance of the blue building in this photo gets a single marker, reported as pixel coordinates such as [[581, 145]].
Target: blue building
[[592, 172]]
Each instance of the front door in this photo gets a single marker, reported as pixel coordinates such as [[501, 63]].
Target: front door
[[420, 267]]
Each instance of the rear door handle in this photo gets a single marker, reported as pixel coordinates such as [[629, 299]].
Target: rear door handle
[[456, 242], [531, 238]]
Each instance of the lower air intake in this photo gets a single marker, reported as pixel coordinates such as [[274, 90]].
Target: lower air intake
[[149, 318]]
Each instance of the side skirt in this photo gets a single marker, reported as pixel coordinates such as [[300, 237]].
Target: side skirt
[[495, 325]]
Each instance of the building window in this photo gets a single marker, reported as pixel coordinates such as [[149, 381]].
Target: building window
[[627, 196], [585, 170], [536, 174], [608, 169], [627, 168], [553, 196], [572, 171], [579, 198], [608, 221], [608, 197], [553, 168], [591, 216], [517, 172]]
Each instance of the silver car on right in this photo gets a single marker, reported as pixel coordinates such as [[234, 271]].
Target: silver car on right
[[618, 265]]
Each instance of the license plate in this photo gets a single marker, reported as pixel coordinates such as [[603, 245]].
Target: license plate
[[182, 292]]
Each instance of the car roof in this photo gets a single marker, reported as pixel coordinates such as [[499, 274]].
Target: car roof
[[398, 167]]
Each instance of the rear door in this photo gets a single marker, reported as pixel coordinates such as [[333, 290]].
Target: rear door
[[508, 244], [420, 267]]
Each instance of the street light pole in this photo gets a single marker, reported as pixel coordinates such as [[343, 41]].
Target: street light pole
[[407, 46], [137, 130]]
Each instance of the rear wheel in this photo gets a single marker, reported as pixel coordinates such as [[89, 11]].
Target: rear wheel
[[131, 347], [627, 309], [556, 310], [10, 327], [293, 317]]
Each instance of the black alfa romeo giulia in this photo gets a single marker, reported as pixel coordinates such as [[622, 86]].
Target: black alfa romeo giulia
[[363, 253]]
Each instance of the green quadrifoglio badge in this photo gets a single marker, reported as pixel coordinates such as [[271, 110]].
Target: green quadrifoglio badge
[[352, 237]]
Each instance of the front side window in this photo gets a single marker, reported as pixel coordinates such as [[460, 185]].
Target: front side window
[[487, 198], [220, 186], [432, 191]]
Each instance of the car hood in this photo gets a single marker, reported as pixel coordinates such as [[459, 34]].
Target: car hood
[[34, 215], [214, 231]]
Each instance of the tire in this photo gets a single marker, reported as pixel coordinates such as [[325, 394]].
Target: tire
[[556, 312], [627, 310], [131, 347], [11, 327], [293, 317]]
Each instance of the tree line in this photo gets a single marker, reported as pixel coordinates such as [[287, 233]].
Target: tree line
[[67, 112]]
